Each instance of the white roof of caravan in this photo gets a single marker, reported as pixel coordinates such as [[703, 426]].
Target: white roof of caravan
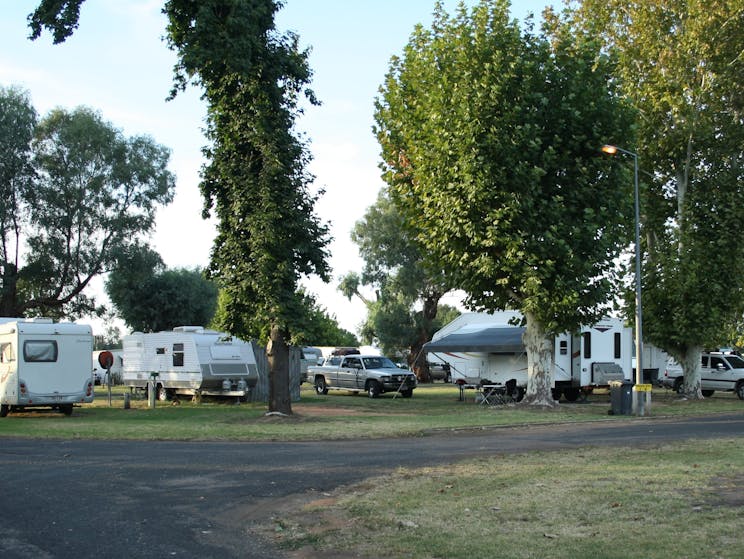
[[473, 321], [45, 326]]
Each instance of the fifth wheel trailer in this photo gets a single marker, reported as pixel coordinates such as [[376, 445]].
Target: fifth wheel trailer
[[44, 364], [189, 360], [483, 348]]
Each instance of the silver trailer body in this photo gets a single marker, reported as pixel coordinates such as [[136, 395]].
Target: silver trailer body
[[487, 348], [190, 360], [44, 364]]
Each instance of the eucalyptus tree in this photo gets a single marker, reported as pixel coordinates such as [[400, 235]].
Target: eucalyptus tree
[[681, 63], [489, 137], [17, 123], [90, 192], [150, 297], [408, 287]]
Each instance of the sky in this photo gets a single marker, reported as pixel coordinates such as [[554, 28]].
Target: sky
[[118, 64]]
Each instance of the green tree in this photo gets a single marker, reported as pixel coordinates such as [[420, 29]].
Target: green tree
[[403, 317], [255, 180], [17, 124], [151, 298], [489, 139], [92, 193], [312, 325], [681, 64]]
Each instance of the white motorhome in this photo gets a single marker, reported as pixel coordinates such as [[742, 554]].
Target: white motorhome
[[190, 360], [44, 364], [483, 348]]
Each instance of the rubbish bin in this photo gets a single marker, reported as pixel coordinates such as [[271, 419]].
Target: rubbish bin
[[621, 397]]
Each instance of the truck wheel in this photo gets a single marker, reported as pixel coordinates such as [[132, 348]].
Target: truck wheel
[[161, 393], [4, 409], [406, 393], [740, 390], [321, 388], [707, 393], [373, 389]]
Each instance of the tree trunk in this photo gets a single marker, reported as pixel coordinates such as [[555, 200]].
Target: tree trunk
[[9, 291], [539, 348], [690, 362], [429, 313], [278, 353]]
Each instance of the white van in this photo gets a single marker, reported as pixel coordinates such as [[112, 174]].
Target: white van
[[44, 364]]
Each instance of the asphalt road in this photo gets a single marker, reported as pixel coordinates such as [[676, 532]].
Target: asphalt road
[[117, 499]]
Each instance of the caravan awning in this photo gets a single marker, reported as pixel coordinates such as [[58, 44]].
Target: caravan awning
[[502, 339]]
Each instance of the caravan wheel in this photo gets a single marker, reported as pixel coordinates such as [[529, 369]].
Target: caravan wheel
[[4, 409], [66, 409], [161, 393]]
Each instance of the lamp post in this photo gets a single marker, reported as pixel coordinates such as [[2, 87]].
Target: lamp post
[[638, 404]]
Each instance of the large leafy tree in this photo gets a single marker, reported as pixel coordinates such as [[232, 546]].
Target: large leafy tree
[[150, 297], [682, 63], [404, 314], [256, 180], [92, 193], [17, 123], [489, 140]]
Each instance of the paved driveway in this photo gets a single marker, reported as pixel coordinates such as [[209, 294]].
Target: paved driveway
[[116, 499]]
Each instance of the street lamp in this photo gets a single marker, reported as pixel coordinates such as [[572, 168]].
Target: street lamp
[[612, 150]]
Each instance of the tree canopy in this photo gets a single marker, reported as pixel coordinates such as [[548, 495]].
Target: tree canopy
[[490, 139], [256, 180], [151, 298], [77, 193], [681, 65]]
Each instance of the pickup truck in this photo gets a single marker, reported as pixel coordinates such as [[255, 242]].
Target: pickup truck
[[372, 374], [718, 371]]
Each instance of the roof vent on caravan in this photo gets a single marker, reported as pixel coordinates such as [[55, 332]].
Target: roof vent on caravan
[[194, 329]]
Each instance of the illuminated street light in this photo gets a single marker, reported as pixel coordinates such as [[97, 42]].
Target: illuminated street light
[[613, 150]]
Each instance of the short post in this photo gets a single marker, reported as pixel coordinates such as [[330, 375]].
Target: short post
[[127, 405], [151, 391]]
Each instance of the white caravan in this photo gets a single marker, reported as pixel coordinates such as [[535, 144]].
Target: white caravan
[[44, 364], [485, 348], [190, 360]]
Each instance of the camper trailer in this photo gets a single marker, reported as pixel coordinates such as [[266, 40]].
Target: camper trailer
[[190, 360], [44, 364], [488, 349]]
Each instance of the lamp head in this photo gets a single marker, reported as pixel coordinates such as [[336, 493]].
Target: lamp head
[[612, 150]]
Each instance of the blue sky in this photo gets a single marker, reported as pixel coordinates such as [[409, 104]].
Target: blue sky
[[117, 64]]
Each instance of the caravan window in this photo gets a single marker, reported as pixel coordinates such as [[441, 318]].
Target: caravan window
[[6, 353], [178, 355], [564, 347], [587, 345], [40, 351]]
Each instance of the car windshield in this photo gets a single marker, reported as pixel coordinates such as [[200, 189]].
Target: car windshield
[[378, 363], [735, 361]]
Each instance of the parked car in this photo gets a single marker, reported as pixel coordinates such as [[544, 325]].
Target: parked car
[[718, 371]]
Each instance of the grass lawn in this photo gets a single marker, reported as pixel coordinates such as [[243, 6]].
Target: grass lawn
[[337, 415], [682, 500]]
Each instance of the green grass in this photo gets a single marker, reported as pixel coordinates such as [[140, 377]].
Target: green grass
[[337, 415], [681, 500]]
